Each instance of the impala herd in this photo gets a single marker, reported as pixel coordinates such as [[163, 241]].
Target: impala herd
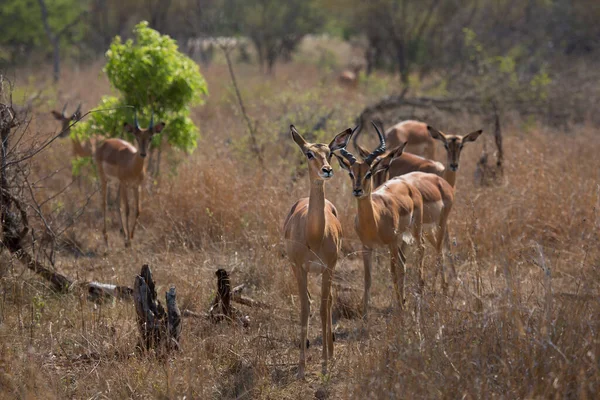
[[403, 196]]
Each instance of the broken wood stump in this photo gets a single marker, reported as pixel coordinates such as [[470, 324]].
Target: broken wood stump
[[159, 330], [221, 308]]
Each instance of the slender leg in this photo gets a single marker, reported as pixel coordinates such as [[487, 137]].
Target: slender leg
[[302, 279], [137, 203], [440, 246], [367, 253], [326, 299], [103, 194], [397, 270], [124, 218]]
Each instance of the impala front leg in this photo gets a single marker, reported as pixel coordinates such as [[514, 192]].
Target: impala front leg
[[138, 207], [302, 279], [367, 253], [326, 303], [124, 219], [103, 194]]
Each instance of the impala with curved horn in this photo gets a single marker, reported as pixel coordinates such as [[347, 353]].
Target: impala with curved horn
[[80, 148], [413, 134], [313, 237], [383, 217], [119, 160]]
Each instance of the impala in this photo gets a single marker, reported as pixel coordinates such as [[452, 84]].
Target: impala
[[395, 163], [120, 160], [350, 77], [79, 149], [453, 145], [313, 235], [383, 217], [413, 133]]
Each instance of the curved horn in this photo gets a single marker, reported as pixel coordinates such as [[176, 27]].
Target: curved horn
[[355, 133], [378, 151], [151, 120], [348, 156], [64, 108], [78, 111], [137, 124]]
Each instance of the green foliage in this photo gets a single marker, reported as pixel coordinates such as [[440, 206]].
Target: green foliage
[[79, 163], [151, 76], [22, 28], [151, 71], [497, 78]]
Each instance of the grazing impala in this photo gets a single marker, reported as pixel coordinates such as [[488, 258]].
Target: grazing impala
[[119, 160], [80, 149], [383, 217], [413, 133], [313, 236]]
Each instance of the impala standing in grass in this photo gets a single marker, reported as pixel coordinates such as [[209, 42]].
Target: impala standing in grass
[[120, 160], [313, 237], [383, 217]]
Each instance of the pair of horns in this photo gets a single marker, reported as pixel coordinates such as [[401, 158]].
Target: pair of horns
[[373, 155], [76, 111], [137, 124]]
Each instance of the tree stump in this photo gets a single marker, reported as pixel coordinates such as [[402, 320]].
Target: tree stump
[[159, 330]]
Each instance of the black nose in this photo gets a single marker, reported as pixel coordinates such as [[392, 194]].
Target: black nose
[[327, 170], [453, 167], [142, 155], [357, 192]]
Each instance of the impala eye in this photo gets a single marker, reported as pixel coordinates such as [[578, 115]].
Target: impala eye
[[368, 175], [310, 155], [446, 146], [351, 175]]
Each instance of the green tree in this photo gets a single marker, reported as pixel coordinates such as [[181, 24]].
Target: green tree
[[152, 77], [25, 25]]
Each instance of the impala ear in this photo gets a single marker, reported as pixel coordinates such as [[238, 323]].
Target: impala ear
[[340, 140], [129, 128], [345, 164], [434, 133], [57, 115], [159, 127], [471, 137], [297, 137]]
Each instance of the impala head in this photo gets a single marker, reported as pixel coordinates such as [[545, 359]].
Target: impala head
[[361, 171], [319, 155], [143, 137], [65, 120], [453, 144]]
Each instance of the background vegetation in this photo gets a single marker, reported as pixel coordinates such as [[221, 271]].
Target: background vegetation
[[521, 320]]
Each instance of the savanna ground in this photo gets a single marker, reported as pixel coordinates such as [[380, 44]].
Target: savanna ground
[[533, 242]]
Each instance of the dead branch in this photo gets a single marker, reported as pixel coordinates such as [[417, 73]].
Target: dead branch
[[159, 329]]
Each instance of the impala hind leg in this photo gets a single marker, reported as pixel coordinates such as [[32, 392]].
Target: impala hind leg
[[367, 260], [302, 280], [398, 271], [326, 322]]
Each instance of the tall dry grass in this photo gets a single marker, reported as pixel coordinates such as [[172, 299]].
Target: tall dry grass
[[528, 330]]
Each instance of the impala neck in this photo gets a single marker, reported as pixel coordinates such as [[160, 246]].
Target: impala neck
[[367, 220], [450, 176], [315, 226], [140, 164]]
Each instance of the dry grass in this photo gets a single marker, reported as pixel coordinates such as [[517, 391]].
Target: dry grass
[[536, 335]]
